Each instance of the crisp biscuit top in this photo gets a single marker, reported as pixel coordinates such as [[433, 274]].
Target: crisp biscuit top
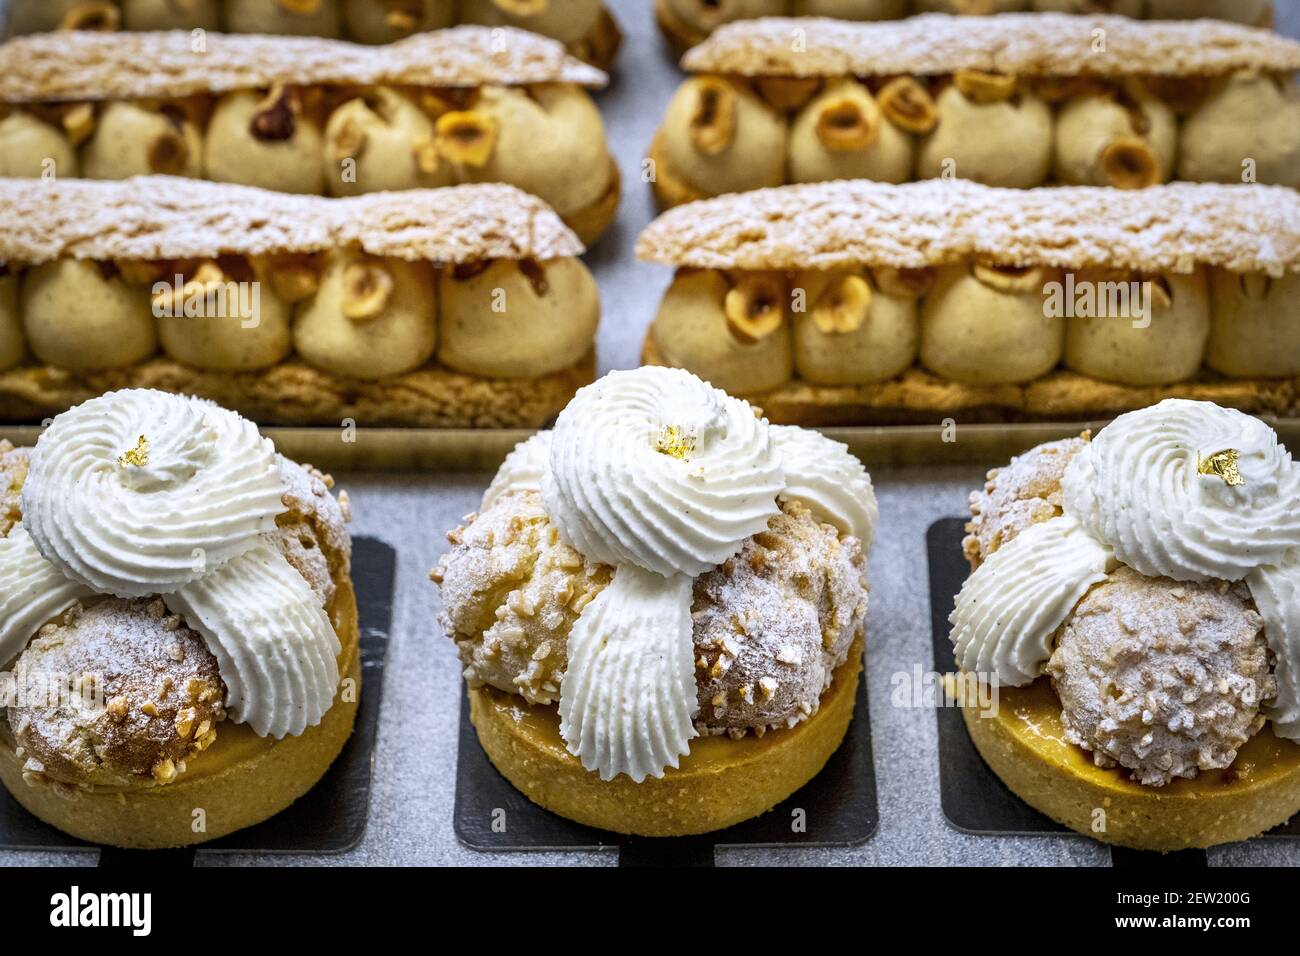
[[1034, 44], [844, 224], [88, 65], [165, 217]]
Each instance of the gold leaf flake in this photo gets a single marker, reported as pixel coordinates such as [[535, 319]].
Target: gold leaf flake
[[138, 456], [1222, 464], [674, 442]]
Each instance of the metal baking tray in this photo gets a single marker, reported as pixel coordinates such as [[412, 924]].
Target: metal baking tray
[[470, 450]]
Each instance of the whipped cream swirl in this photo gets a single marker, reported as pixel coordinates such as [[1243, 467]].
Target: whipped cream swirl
[[139, 492], [1011, 606], [628, 696], [274, 644], [32, 592], [1276, 590], [656, 468], [824, 476], [522, 470], [1147, 486]]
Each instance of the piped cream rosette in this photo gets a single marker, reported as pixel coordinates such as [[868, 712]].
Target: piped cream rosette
[[1184, 490], [139, 493], [664, 477]]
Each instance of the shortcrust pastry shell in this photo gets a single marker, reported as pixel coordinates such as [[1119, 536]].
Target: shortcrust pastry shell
[[721, 782], [1024, 744], [242, 779]]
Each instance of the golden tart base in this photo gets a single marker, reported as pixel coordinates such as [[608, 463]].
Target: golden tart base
[[721, 782], [1025, 746], [242, 779]]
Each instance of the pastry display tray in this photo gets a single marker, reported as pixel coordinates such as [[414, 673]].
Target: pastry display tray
[[331, 817], [837, 808], [974, 800], [476, 450]]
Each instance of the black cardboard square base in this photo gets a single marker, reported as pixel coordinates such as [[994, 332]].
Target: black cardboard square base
[[974, 799], [329, 818], [839, 809]]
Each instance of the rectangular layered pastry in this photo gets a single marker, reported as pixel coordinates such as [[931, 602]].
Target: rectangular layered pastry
[[457, 307], [307, 115], [869, 303], [585, 27], [1020, 100]]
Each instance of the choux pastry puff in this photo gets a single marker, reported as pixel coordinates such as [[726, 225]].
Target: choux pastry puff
[[989, 129], [732, 331], [370, 318], [1165, 344], [516, 318]]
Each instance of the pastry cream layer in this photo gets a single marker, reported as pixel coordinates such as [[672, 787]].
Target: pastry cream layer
[[720, 783], [242, 779], [1025, 746]]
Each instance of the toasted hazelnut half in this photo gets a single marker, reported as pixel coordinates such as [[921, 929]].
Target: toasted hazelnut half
[[523, 8], [1009, 278], [1255, 285], [844, 305], [979, 86], [466, 137], [848, 123], [1162, 294], [908, 105], [92, 15], [205, 278], [78, 122], [1182, 94], [276, 116], [428, 158], [787, 93], [755, 307], [347, 142], [294, 277], [903, 283], [1129, 162], [367, 287], [303, 7], [140, 271], [713, 125]]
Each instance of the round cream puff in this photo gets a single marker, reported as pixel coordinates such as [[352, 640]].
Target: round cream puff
[[843, 134], [516, 318], [386, 21], [852, 331], [1246, 130], [266, 140], [239, 322], [1162, 345], [1254, 325], [319, 18], [990, 129], [988, 325], [569, 22], [171, 14], [13, 344], [1118, 137], [546, 139], [82, 315], [731, 331], [31, 148], [141, 139], [370, 318], [381, 140], [719, 138]]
